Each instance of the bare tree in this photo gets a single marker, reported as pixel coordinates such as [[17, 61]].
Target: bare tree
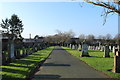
[[108, 36], [110, 6], [90, 37], [81, 36]]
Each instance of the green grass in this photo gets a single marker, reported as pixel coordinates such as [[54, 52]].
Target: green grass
[[96, 61], [22, 68]]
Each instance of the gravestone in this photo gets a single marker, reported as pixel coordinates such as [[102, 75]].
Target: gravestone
[[99, 46], [89, 47], [73, 46], [12, 56], [116, 68], [94, 47], [113, 49], [79, 47], [102, 48], [67, 45], [76, 47], [84, 50], [106, 51], [110, 47]]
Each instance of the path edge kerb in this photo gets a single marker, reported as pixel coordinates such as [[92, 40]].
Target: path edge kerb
[[104, 74], [30, 76]]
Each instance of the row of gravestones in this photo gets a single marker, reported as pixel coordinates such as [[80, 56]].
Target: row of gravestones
[[20, 53], [102, 48], [107, 49]]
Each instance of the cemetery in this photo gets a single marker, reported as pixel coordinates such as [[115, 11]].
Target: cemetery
[[29, 55], [61, 55]]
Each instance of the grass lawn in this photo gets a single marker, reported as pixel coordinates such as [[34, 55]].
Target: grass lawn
[[22, 68], [96, 61]]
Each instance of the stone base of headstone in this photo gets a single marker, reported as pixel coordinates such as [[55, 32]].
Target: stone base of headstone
[[84, 56], [116, 68]]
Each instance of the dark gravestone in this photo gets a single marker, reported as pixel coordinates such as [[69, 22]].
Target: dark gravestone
[[18, 54], [106, 51]]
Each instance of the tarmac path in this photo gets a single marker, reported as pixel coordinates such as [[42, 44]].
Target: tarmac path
[[60, 64]]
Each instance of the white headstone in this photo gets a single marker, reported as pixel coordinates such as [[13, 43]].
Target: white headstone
[[110, 48], [113, 49], [70, 46], [73, 46]]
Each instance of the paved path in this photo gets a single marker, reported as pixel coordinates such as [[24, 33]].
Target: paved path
[[61, 64]]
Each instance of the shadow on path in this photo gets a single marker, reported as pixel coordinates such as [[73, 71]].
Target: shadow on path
[[52, 64], [46, 76]]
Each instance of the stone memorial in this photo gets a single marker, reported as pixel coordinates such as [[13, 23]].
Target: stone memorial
[[70, 46], [76, 47], [79, 47], [113, 49], [102, 48], [106, 51], [73, 46], [84, 50], [89, 47], [110, 47], [99, 47], [116, 68], [12, 56]]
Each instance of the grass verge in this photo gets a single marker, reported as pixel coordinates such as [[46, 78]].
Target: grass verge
[[96, 61], [22, 68]]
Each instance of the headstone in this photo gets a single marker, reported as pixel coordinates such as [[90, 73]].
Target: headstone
[[116, 68], [110, 48], [79, 47], [84, 50], [94, 47], [102, 48], [70, 46], [89, 47], [12, 57], [67, 45], [99, 47], [76, 47], [113, 49], [73, 46], [106, 51]]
